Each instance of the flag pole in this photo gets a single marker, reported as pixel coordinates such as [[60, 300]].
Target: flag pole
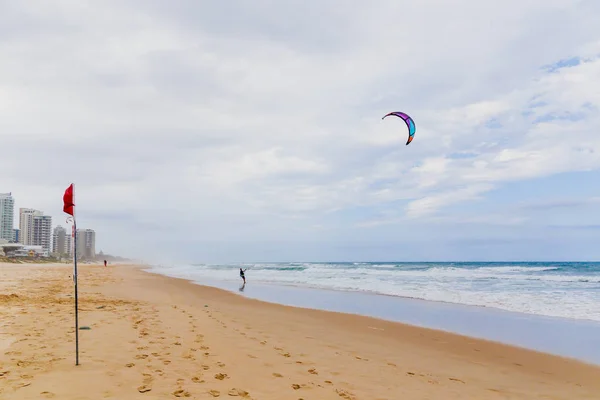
[[69, 208], [75, 279]]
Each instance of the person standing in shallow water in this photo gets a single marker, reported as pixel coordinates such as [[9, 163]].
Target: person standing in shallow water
[[242, 274]]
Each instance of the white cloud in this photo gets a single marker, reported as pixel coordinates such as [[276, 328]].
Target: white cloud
[[212, 124], [430, 204]]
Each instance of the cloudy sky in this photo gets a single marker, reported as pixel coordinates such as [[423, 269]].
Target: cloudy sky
[[252, 131]]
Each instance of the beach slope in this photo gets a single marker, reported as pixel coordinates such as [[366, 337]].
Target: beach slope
[[152, 337]]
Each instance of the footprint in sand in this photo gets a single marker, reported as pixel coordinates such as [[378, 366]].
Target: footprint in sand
[[141, 356], [220, 364], [181, 393], [296, 386], [238, 392], [313, 371], [214, 393], [345, 395], [197, 379], [277, 375], [144, 389], [48, 395], [220, 376]]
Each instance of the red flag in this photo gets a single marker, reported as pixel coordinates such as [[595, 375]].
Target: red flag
[[68, 200]]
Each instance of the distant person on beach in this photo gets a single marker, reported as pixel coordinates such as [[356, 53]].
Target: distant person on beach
[[105, 263], [242, 274]]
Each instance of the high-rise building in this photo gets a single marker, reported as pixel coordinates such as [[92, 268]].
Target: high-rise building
[[16, 235], [36, 228], [42, 232], [26, 225], [58, 240], [86, 244], [69, 244], [62, 243], [7, 215]]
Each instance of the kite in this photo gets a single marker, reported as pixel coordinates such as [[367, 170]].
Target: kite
[[409, 122]]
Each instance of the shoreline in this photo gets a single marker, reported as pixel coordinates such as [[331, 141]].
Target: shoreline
[[402, 298], [227, 292], [559, 291], [546, 334], [156, 337]]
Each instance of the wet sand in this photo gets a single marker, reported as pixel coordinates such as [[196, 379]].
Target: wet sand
[[153, 337]]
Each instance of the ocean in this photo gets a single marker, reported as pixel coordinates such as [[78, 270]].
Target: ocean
[[561, 289]]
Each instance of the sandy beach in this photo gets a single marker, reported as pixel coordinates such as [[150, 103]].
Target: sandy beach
[[153, 337]]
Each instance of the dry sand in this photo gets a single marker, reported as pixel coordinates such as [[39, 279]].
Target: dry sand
[[153, 337]]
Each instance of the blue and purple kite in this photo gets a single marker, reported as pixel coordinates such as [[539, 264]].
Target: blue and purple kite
[[409, 122]]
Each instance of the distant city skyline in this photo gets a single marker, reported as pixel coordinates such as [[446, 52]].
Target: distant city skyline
[[35, 228]]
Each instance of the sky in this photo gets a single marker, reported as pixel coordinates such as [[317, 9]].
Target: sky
[[247, 131]]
